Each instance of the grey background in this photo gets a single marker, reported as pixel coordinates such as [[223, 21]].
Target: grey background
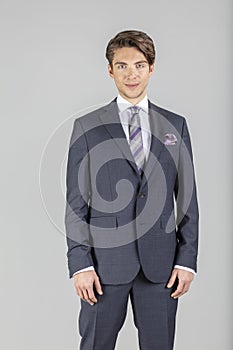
[[53, 65]]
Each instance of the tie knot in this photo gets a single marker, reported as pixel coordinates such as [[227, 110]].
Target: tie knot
[[134, 109]]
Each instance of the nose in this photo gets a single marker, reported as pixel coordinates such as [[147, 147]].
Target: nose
[[132, 73]]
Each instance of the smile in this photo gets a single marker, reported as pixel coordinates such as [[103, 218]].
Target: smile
[[132, 86]]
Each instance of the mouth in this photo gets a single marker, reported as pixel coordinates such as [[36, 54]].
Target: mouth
[[132, 86]]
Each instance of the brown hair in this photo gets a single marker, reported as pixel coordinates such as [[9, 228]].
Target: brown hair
[[131, 38]]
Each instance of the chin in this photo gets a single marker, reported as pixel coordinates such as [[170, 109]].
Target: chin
[[134, 95]]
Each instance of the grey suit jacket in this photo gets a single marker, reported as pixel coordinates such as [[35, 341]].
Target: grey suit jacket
[[117, 220]]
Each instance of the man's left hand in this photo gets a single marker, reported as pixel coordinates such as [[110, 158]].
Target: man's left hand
[[184, 280]]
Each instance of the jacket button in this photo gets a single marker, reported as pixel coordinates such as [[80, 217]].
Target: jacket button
[[141, 195]]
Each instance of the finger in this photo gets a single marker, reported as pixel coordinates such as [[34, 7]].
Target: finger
[[186, 288], [90, 302], [179, 290], [172, 279], [91, 295], [85, 295], [77, 290], [80, 293], [98, 285]]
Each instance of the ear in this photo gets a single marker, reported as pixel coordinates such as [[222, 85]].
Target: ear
[[151, 69], [110, 71]]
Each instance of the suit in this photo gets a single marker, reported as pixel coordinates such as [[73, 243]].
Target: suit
[[142, 236]]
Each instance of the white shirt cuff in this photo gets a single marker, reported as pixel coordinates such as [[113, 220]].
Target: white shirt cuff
[[185, 268], [89, 268]]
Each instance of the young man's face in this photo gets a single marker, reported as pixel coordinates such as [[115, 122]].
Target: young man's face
[[131, 73]]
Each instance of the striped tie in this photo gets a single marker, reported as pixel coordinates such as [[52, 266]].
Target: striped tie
[[135, 137]]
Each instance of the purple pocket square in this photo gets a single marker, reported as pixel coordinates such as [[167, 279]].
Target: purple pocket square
[[170, 140]]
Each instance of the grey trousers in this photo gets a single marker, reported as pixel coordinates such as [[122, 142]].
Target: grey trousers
[[154, 313]]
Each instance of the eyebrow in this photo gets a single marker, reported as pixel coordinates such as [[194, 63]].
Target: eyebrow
[[134, 63]]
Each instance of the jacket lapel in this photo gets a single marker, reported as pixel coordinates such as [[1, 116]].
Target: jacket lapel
[[111, 120], [157, 132]]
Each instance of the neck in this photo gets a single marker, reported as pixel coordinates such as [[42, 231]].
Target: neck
[[135, 100]]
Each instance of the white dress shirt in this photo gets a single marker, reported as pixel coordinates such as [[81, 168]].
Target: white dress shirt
[[123, 105], [124, 115]]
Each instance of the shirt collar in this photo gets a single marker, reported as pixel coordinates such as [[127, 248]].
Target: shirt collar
[[123, 104]]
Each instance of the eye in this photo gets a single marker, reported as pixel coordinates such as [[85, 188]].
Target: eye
[[140, 65], [121, 66]]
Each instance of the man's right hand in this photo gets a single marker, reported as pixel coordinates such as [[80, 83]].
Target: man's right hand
[[84, 282]]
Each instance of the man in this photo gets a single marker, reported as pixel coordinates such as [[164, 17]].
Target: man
[[132, 214]]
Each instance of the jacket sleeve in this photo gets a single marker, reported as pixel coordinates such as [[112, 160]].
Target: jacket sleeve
[[77, 200], [187, 205]]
